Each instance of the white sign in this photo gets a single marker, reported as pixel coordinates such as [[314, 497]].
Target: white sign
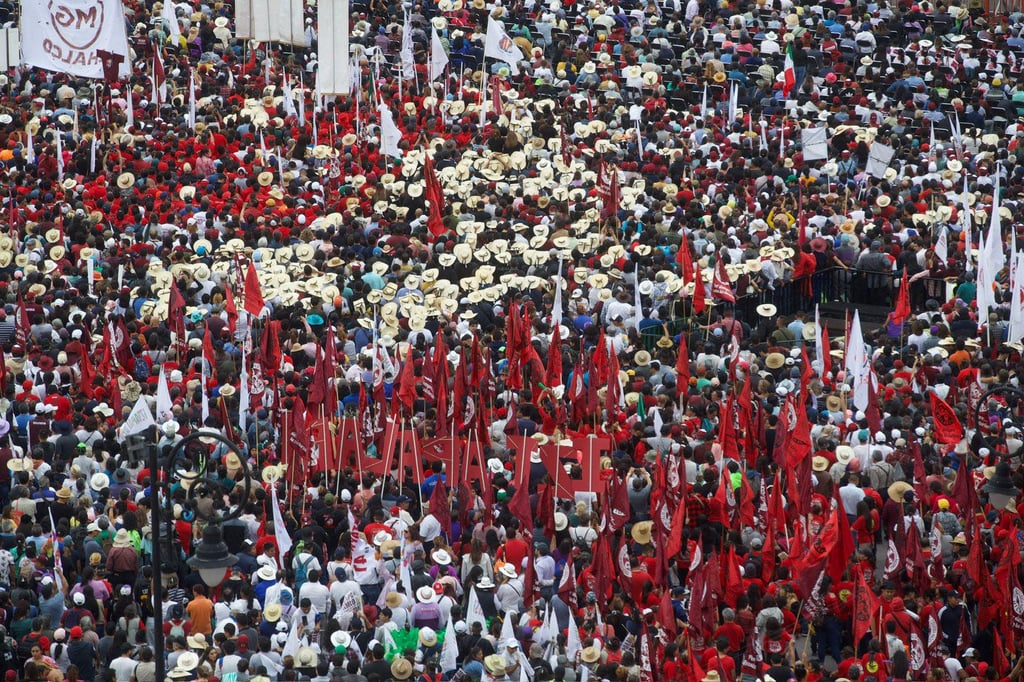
[[67, 34], [879, 158], [815, 143]]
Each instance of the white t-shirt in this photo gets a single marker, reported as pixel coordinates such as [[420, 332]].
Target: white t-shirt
[[319, 596], [123, 668]]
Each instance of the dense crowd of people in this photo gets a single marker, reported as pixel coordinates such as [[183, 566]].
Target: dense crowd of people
[[543, 389]]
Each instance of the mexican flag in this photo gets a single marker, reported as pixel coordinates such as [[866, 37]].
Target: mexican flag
[[788, 72]]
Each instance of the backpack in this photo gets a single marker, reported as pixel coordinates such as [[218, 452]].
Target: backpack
[[25, 647], [8, 659], [177, 630], [301, 573], [140, 370]]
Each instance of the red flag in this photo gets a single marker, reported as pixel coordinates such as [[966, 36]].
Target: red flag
[[667, 613], [618, 504], [999, 659], [838, 560], [611, 403], [159, 76], [120, 344], [440, 508], [732, 581], [231, 309], [675, 539], [297, 459], [865, 606], [902, 310], [721, 289], [683, 364], [434, 194], [176, 320], [554, 368], [519, 504], [208, 353], [253, 292], [407, 383], [798, 437], [567, 586], [948, 428], [826, 369], [820, 545]]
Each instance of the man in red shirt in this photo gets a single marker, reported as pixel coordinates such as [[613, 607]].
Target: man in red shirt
[[515, 550]]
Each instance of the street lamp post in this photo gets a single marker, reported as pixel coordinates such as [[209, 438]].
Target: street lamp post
[[188, 459]]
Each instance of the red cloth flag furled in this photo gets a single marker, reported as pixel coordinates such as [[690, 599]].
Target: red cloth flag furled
[[297, 459], [407, 382], [253, 292], [721, 289], [435, 195], [902, 310], [441, 509], [231, 309], [948, 428], [865, 606], [683, 363], [567, 586], [176, 321]]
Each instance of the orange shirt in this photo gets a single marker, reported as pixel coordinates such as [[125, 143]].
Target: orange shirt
[[200, 612]]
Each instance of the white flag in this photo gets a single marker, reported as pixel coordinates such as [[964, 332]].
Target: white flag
[[191, 102], [292, 644], [334, 75], [819, 342], [172, 23], [966, 224], [474, 612], [243, 396], [206, 398], [284, 541], [500, 46], [164, 404], [408, 60], [289, 101], [556, 310], [390, 136], [1017, 301], [438, 57], [60, 154], [573, 645], [856, 364], [638, 306], [140, 419], [941, 245], [449, 659]]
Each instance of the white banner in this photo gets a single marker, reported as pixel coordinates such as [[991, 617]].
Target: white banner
[[10, 48], [335, 75], [879, 158], [68, 33], [815, 143], [288, 22], [253, 19]]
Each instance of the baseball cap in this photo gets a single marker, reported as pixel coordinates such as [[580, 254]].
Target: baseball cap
[[79, 600]]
